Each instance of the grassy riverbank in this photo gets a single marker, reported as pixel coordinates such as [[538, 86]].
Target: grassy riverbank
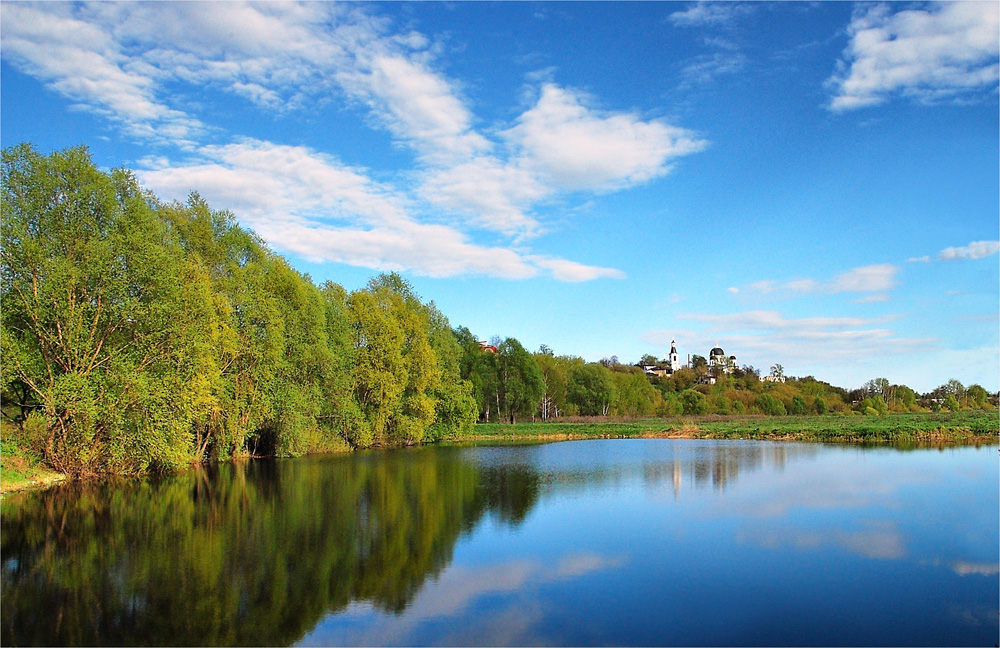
[[21, 470], [949, 427]]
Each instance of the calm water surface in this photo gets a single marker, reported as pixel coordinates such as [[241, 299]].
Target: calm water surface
[[622, 542]]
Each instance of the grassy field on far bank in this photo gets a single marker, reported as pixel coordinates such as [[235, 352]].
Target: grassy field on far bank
[[20, 469], [943, 427]]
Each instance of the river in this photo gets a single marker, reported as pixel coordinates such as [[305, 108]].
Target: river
[[621, 542]]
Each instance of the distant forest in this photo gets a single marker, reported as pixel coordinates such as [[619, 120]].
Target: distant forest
[[138, 335]]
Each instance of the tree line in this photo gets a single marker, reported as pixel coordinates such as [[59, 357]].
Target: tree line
[[513, 384], [138, 334]]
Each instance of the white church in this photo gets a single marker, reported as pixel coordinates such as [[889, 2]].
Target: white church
[[717, 361]]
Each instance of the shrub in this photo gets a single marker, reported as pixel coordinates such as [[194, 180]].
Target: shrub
[[721, 405], [694, 402], [798, 406], [770, 405], [820, 406]]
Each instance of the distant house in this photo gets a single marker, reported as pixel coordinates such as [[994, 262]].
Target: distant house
[[773, 378], [668, 366], [487, 347]]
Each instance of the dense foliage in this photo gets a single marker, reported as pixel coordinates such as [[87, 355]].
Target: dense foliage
[[137, 334]]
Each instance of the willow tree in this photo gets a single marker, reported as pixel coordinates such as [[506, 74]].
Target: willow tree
[[92, 282]]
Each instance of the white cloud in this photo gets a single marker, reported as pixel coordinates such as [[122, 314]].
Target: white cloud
[[461, 587], [871, 299], [311, 205], [80, 61], [133, 62], [711, 14], [419, 107], [576, 148], [705, 68], [572, 271], [261, 180], [873, 278], [965, 568], [975, 250], [945, 51], [431, 250], [878, 278], [768, 336], [972, 251], [492, 194], [882, 541]]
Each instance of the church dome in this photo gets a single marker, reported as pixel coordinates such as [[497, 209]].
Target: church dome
[[717, 351]]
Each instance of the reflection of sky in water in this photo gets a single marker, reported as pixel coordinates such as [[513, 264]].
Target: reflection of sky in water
[[723, 543]]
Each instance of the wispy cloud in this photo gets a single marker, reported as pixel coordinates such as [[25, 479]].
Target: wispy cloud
[[965, 568], [489, 193], [975, 250], [459, 588], [711, 13], [725, 57], [945, 51], [768, 336], [572, 271], [883, 541], [705, 68], [310, 204], [878, 278], [970, 252], [873, 278], [87, 65], [134, 62], [420, 107]]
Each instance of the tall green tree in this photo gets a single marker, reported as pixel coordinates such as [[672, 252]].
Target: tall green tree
[[481, 369], [520, 380], [592, 389], [555, 374], [635, 395], [92, 282]]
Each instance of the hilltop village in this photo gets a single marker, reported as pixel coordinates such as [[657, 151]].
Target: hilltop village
[[717, 364]]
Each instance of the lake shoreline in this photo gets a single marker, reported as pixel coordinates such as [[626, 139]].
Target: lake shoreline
[[686, 434], [942, 429], [963, 428]]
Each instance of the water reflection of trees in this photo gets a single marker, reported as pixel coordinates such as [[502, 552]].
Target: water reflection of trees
[[698, 463], [258, 553], [720, 464], [245, 553]]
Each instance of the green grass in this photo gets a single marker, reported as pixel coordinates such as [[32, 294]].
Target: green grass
[[20, 468], [948, 427]]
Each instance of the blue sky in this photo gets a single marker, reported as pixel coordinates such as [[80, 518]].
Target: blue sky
[[814, 185]]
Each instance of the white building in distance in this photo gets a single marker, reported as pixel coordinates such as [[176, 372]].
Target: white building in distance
[[718, 360]]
